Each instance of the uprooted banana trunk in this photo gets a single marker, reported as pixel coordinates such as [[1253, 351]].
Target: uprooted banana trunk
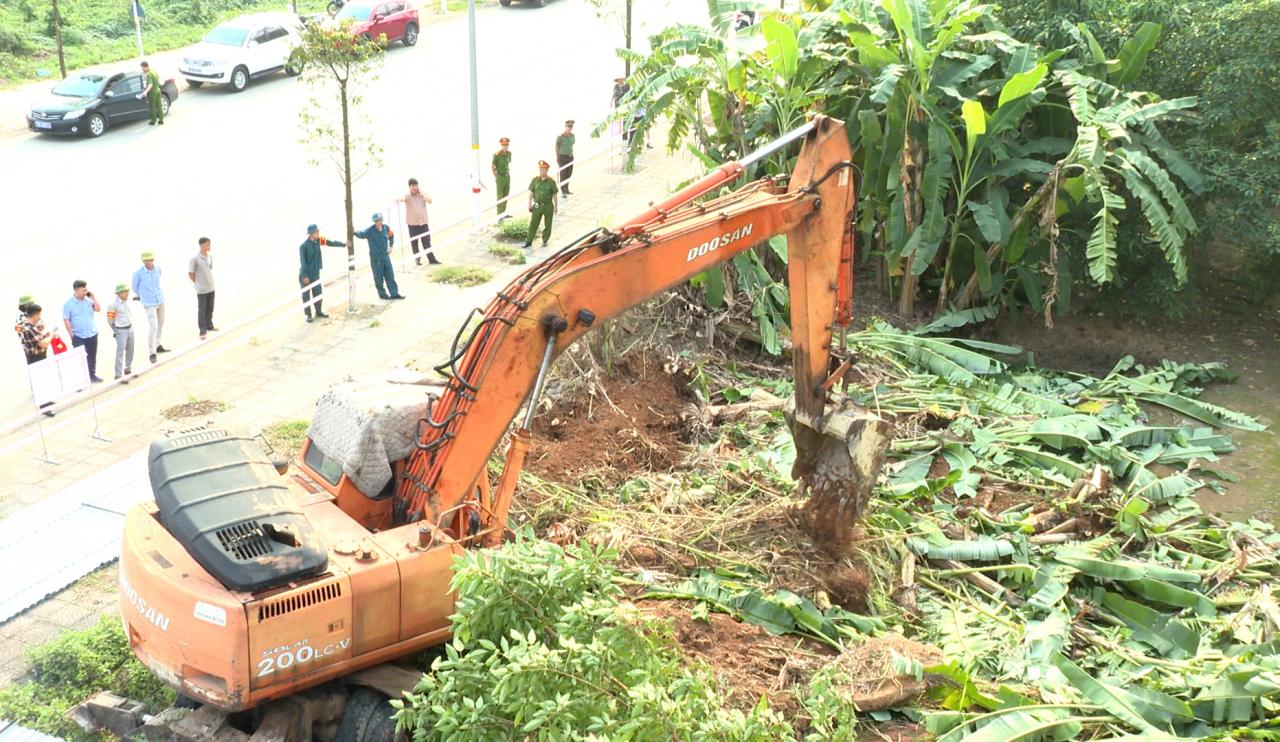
[[837, 464]]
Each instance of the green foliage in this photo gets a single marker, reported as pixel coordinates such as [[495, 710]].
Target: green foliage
[[97, 31], [831, 717], [782, 612], [1227, 56], [461, 275], [72, 667], [507, 253], [543, 650], [515, 229], [335, 127], [993, 171], [287, 437]]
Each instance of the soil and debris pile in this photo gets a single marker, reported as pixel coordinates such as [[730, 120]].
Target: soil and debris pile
[[1036, 532]]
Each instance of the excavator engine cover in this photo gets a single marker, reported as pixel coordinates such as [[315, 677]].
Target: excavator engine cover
[[222, 499]]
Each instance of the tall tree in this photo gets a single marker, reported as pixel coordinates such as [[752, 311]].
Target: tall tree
[[336, 64], [57, 37]]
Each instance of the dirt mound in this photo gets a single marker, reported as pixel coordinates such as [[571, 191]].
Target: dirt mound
[[748, 661], [876, 685], [632, 425]]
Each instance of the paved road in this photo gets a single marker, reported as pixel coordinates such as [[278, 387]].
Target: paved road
[[231, 167]]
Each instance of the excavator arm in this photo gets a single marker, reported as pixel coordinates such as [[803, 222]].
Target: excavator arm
[[499, 363]]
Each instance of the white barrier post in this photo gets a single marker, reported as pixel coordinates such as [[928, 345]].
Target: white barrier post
[[39, 396]]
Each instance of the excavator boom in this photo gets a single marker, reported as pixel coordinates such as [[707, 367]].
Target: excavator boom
[[497, 369]]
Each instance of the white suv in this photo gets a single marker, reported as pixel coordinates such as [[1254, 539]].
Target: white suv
[[244, 48]]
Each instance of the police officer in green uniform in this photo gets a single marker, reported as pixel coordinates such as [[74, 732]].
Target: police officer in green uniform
[[502, 174], [155, 105], [381, 240], [309, 271], [544, 201], [564, 156]]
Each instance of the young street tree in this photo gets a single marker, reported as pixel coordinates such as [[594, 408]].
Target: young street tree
[[336, 64], [621, 11]]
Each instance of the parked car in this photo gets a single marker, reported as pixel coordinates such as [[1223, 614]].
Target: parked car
[[539, 3], [88, 103], [243, 48], [395, 19]]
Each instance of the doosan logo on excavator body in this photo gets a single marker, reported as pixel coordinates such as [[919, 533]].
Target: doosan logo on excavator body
[[715, 243]]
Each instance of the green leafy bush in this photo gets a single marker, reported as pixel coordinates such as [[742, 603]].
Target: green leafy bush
[[73, 667], [461, 275], [515, 228], [544, 650]]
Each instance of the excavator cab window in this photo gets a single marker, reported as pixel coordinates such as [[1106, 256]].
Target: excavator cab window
[[316, 460]]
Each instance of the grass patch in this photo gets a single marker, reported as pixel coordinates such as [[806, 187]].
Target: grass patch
[[461, 275], [287, 437], [73, 667], [515, 229], [507, 253]]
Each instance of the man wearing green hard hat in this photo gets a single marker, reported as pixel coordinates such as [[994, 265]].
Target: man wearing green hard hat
[[23, 301], [120, 320]]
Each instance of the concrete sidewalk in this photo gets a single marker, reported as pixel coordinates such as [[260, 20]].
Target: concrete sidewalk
[[275, 370]]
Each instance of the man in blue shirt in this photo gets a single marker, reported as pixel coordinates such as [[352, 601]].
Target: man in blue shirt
[[381, 240], [77, 315], [146, 289]]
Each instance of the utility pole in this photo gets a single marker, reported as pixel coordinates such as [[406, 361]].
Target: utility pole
[[57, 36], [136, 11], [627, 37], [475, 111]]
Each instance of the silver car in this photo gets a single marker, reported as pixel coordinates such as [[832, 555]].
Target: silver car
[[250, 46]]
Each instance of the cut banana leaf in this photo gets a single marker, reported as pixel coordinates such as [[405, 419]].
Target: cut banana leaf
[[1202, 411], [1023, 724], [1165, 634], [1164, 593], [979, 550], [1119, 702]]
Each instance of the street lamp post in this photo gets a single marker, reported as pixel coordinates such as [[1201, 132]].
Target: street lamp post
[[475, 112]]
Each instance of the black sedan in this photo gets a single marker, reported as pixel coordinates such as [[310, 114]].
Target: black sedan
[[87, 103]]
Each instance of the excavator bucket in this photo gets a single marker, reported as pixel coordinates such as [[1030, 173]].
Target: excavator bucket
[[838, 460]]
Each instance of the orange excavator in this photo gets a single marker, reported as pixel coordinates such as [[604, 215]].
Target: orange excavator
[[243, 583]]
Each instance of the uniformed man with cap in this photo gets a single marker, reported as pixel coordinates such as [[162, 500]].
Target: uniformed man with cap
[[155, 104], [120, 320], [501, 168], [310, 262], [564, 156], [544, 202], [381, 240]]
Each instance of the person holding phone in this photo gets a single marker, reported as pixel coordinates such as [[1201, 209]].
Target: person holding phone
[[77, 315]]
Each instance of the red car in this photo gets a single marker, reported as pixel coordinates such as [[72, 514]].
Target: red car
[[397, 20]]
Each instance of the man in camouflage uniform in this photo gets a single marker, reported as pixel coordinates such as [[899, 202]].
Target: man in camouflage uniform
[[155, 104], [501, 167], [544, 201]]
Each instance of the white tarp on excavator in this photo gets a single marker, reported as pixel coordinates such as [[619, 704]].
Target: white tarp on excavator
[[366, 425]]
